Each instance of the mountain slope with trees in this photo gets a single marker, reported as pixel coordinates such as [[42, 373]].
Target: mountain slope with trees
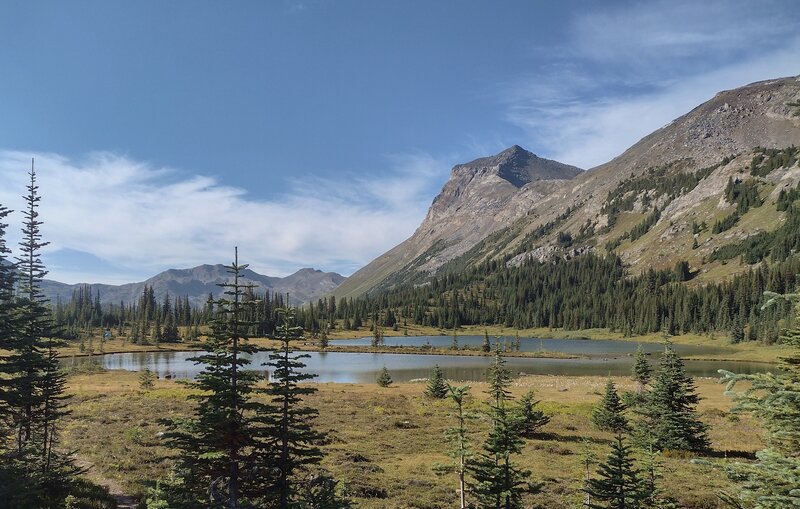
[[712, 189]]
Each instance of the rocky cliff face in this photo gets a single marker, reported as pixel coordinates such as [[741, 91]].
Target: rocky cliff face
[[514, 205], [303, 286], [480, 197]]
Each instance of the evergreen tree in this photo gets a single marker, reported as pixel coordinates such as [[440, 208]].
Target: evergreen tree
[[384, 378], [293, 442], [499, 482], [33, 385], [486, 347], [499, 379], [669, 415], [531, 419], [641, 370], [772, 482], [619, 485], [609, 414], [223, 445], [437, 387], [377, 334], [454, 340], [147, 379], [737, 331]]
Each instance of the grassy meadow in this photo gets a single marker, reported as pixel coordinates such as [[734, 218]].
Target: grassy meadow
[[387, 444]]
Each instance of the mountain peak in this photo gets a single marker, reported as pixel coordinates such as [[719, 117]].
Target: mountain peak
[[518, 167]]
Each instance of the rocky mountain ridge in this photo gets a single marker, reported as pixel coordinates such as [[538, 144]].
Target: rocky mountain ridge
[[695, 156], [198, 282]]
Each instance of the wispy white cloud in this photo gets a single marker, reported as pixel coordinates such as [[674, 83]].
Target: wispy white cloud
[[140, 219], [624, 72]]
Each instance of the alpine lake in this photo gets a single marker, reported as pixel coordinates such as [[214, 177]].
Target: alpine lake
[[592, 358]]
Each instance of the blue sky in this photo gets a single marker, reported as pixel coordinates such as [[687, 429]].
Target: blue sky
[[316, 133]]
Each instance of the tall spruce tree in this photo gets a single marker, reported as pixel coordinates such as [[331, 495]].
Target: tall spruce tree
[[773, 481], [33, 385], [609, 414], [498, 482], [293, 442], [619, 485], [222, 448], [669, 415]]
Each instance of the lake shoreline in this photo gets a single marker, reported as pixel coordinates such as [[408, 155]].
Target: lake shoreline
[[733, 353]]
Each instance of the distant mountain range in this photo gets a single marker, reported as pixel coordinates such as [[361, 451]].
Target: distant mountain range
[[303, 286], [691, 191]]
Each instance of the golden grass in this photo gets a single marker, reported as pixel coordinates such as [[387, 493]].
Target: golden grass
[[384, 442]]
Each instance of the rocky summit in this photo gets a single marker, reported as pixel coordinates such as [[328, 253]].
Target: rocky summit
[[480, 197]]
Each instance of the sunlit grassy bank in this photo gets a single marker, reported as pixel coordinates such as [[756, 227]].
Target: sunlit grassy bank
[[387, 445]]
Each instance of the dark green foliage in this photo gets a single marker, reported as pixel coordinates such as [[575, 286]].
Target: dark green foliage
[[737, 331], [531, 418], [222, 447], [384, 379], [640, 229], [767, 160], [744, 194], [637, 231], [777, 245], [437, 387], [553, 294], [641, 370], [667, 180], [486, 346], [538, 233], [619, 485], [726, 223], [292, 441], [787, 198], [499, 379], [377, 334], [668, 418], [498, 482], [564, 239], [682, 271], [33, 471], [609, 414], [772, 482]]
